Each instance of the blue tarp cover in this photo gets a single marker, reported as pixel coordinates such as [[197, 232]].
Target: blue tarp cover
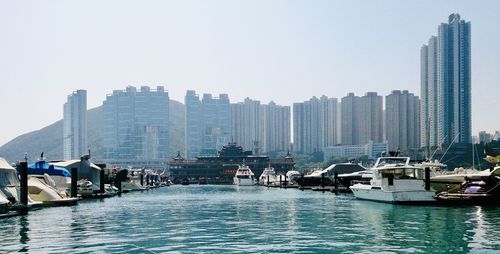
[[42, 167]]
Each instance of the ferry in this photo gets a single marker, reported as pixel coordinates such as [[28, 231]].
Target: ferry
[[394, 180]]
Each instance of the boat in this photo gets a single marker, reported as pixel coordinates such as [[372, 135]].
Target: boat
[[348, 179], [60, 178], [268, 176], [292, 176], [84, 188], [244, 176], [325, 177], [477, 189], [185, 181], [395, 181], [40, 191]]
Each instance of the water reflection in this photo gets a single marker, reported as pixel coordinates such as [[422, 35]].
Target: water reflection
[[23, 233]]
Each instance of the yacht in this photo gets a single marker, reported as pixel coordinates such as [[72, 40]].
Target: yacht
[[349, 179], [268, 176], [40, 190], [244, 176], [477, 189], [396, 181], [10, 188], [292, 177], [325, 177], [60, 177]]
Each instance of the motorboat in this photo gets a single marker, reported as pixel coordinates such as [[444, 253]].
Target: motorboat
[[477, 189], [10, 188], [244, 176], [325, 177], [40, 191], [85, 170], [60, 178], [292, 177], [446, 180], [268, 176], [349, 179], [185, 181], [85, 188], [396, 181]]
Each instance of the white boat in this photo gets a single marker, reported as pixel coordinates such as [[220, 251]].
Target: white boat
[[268, 176], [40, 191], [10, 188], [292, 177], [396, 181], [244, 176]]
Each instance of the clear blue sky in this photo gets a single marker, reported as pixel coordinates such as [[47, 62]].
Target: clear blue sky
[[285, 51]]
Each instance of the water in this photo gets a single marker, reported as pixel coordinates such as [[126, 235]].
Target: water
[[215, 219]]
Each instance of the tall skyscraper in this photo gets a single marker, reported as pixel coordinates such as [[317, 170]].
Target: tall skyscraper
[[277, 127], [315, 124], [208, 124], [248, 125], [135, 124], [75, 125], [260, 127], [402, 120], [362, 119], [446, 85]]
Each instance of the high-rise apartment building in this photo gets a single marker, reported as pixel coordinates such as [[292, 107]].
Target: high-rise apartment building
[[259, 127], [208, 124], [135, 125], [248, 125], [446, 85], [402, 120], [75, 125], [315, 124], [277, 127], [362, 119]]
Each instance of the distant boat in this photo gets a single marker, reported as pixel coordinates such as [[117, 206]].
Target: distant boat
[[268, 176], [325, 177], [185, 181], [244, 176]]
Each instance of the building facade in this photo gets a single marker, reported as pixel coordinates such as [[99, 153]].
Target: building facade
[[402, 120], [446, 85], [372, 150], [135, 125], [75, 125], [208, 123], [362, 119], [315, 124], [277, 128]]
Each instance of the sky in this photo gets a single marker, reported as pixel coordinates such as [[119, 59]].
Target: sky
[[284, 51]]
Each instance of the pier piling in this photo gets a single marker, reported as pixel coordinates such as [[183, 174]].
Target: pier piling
[[24, 187], [267, 180], [142, 179], [74, 182], [427, 179], [101, 181], [322, 180], [286, 183], [336, 181]]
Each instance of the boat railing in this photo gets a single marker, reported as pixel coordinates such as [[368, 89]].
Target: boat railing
[[360, 182]]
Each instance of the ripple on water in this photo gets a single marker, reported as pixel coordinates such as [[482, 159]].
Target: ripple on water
[[216, 219]]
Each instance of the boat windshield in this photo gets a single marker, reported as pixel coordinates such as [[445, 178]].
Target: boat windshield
[[402, 173]]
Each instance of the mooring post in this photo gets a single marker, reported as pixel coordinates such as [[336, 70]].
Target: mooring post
[[322, 180], [301, 181], [336, 181], [23, 171], [286, 183], [427, 179], [142, 179], [74, 182], [267, 180], [101, 179]]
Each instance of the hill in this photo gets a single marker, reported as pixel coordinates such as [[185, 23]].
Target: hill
[[49, 139]]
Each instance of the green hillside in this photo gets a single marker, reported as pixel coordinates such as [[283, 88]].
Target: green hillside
[[49, 139]]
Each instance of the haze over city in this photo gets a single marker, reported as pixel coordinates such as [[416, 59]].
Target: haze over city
[[285, 51]]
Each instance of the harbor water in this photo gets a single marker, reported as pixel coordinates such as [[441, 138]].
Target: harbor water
[[231, 219]]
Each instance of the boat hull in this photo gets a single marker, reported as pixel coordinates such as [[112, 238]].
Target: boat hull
[[244, 181], [414, 196]]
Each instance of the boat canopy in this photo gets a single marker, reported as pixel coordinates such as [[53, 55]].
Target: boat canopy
[[8, 175], [85, 169], [43, 167]]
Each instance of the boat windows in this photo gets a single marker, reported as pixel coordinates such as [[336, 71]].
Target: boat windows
[[401, 173]]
